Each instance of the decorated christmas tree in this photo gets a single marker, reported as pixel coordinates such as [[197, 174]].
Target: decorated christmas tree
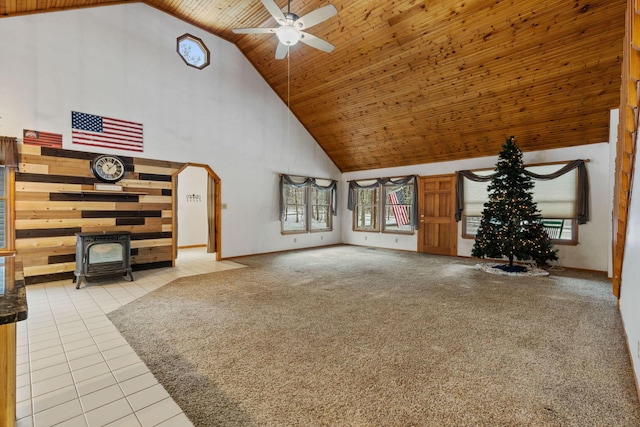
[[511, 224]]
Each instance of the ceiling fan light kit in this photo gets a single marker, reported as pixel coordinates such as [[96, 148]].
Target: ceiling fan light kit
[[290, 26], [288, 35]]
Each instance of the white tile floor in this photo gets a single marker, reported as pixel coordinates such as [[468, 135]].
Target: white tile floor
[[73, 366]]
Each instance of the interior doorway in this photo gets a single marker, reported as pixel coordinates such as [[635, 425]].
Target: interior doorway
[[196, 216]]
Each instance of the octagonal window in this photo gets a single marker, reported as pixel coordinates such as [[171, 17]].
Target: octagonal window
[[193, 51]]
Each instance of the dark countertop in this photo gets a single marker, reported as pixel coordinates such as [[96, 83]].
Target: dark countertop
[[13, 295]]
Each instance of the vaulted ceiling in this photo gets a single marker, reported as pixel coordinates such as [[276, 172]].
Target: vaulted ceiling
[[413, 82]]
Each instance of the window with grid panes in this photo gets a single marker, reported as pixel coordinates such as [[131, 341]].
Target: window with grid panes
[[365, 212], [307, 204], [320, 209], [4, 206], [295, 209], [556, 200], [397, 210]]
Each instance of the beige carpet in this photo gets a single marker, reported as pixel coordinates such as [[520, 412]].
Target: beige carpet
[[349, 336]]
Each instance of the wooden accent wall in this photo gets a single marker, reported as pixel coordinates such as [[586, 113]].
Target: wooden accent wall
[[55, 198], [627, 138]]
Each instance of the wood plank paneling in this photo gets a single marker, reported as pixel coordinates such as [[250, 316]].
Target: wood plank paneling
[[44, 278], [55, 198], [38, 270], [626, 149], [28, 205], [89, 197], [140, 184], [153, 254], [156, 199], [53, 251], [148, 243], [46, 232], [413, 82], [31, 224], [45, 243], [47, 214]]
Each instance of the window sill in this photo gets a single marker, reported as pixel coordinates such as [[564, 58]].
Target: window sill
[[555, 242], [565, 242], [406, 233]]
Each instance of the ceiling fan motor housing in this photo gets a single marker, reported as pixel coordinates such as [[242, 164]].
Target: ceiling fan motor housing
[[291, 18]]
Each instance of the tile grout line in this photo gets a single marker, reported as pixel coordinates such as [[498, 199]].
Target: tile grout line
[[84, 411]]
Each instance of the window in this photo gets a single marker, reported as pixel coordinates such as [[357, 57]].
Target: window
[[320, 209], [566, 232], [307, 204], [8, 162], [383, 204], [397, 208], [556, 199], [193, 51], [365, 213], [4, 209], [4, 203], [295, 218]]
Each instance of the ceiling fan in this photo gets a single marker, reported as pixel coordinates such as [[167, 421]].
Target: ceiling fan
[[291, 26]]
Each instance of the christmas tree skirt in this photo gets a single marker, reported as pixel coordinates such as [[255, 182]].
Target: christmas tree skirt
[[503, 269]]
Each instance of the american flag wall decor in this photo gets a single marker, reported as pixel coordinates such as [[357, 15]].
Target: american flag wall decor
[[400, 211], [43, 139], [98, 131]]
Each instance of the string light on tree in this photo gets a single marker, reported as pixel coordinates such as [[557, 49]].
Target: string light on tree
[[511, 224]]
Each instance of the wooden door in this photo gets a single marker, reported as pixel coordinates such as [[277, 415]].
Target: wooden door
[[437, 230]]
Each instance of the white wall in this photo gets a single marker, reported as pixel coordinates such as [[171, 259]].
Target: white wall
[[614, 119], [192, 207], [121, 62], [590, 253], [630, 288]]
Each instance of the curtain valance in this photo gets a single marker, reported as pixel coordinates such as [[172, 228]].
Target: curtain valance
[[9, 152], [582, 198]]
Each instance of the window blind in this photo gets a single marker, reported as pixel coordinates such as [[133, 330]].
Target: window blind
[[556, 198], [476, 195]]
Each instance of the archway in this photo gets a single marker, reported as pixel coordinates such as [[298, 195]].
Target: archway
[[213, 207]]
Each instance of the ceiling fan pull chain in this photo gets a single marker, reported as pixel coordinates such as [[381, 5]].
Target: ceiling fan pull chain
[[288, 97]]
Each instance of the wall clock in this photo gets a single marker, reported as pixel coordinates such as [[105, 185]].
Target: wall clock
[[108, 168]]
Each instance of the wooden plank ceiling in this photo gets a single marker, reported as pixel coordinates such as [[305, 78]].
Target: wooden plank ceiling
[[413, 82]]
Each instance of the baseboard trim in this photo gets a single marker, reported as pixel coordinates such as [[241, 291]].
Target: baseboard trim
[[630, 351]]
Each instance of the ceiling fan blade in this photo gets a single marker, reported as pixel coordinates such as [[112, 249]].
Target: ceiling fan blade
[[253, 30], [315, 17], [275, 11], [281, 51], [316, 42]]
